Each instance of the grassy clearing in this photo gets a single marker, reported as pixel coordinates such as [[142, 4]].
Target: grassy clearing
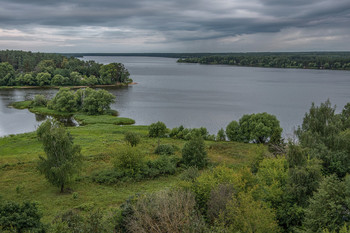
[[99, 138]]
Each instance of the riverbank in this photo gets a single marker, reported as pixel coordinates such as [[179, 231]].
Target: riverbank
[[73, 87]]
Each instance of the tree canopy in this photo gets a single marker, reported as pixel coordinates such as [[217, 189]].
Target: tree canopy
[[19, 68], [258, 128], [63, 159]]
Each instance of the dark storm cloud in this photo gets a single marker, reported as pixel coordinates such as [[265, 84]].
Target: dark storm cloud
[[172, 20]]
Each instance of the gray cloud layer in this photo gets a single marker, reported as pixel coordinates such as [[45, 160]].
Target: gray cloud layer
[[158, 25]]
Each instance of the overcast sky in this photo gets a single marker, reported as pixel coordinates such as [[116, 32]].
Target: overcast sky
[[175, 25]]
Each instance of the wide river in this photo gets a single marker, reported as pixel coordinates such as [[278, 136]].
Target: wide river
[[200, 95]]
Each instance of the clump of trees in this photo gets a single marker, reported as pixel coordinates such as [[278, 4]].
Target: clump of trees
[[257, 128], [63, 159], [19, 68], [90, 101]]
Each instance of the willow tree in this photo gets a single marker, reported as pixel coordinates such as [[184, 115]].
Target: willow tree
[[63, 159]]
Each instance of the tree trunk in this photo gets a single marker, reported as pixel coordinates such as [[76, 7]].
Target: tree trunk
[[62, 188]]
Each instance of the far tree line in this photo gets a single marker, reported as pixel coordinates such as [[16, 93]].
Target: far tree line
[[19, 68], [332, 61]]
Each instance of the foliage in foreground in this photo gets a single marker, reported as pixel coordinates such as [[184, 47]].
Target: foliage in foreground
[[16, 217]]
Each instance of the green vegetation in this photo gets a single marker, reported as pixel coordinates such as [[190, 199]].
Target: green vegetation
[[194, 153], [307, 60], [63, 159], [83, 105], [132, 138], [257, 128], [208, 186], [19, 68], [20, 217]]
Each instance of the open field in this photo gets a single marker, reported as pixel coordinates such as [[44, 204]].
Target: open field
[[21, 181]]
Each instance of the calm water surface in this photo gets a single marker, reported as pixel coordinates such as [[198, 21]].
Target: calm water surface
[[201, 95]]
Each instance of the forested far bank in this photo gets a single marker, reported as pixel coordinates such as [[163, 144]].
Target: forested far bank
[[20, 68], [311, 60]]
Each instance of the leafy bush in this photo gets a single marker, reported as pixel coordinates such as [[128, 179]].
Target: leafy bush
[[219, 197], [166, 211], [111, 176], [157, 129], [20, 217], [194, 153], [136, 169], [129, 160], [190, 174], [186, 133], [258, 128], [162, 166], [132, 138], [73, 222], [165, 149], [244, 214], [39, 100]]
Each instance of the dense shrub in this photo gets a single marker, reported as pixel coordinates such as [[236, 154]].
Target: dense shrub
[[219, 197], [129, 160], [165, 149], [130, 164], [157, 129], [132, 138], [244, 214], [194, 153], [162, 166], [39, 100], [186, 133], [20, 217], [190, 174], [73, 222], [166, 211]]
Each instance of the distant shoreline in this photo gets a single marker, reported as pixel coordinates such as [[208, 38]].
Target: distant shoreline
[[74, 87]]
